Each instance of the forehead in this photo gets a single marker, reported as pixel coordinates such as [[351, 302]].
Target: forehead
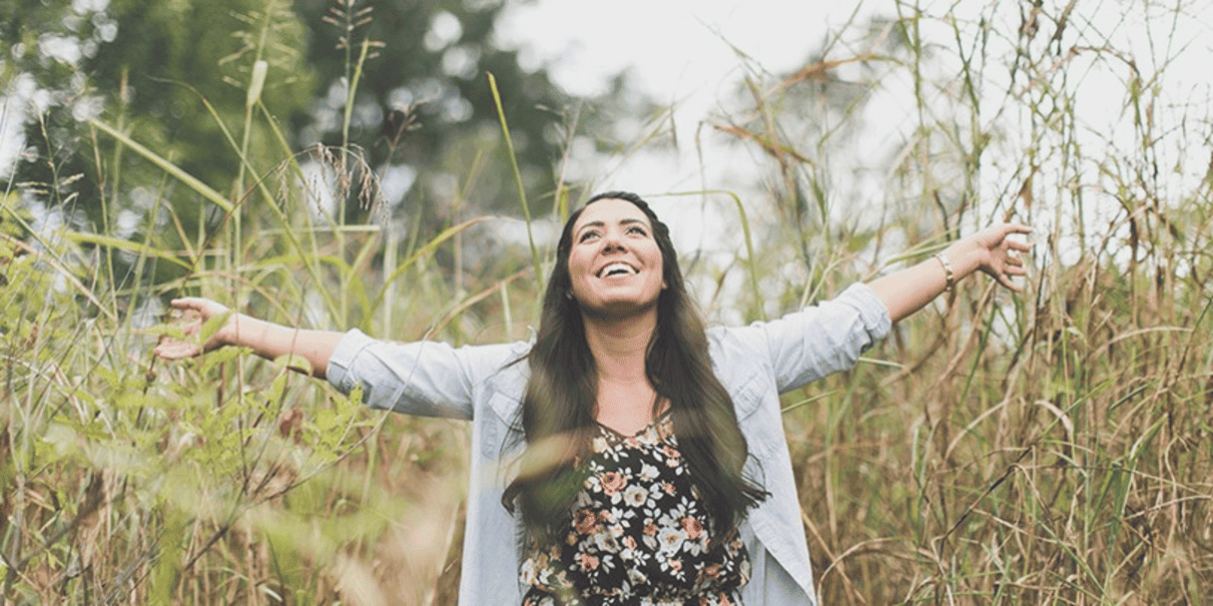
[[609, 212]]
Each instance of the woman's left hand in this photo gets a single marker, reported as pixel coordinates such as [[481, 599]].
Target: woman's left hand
[[994, 252]]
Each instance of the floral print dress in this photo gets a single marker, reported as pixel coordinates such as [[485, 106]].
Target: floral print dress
[[637, 534]]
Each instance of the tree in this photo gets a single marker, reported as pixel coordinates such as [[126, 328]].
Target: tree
[[175, 76], [151, 68], [424, 100]]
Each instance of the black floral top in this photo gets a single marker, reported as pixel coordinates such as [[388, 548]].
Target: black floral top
[[636, 534]]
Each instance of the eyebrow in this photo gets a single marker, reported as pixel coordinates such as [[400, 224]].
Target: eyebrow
[[599, 223]]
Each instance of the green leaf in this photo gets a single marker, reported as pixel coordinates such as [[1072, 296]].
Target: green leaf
[[212, 326], [354, 400], [219, 356], [294, 362], [193, 182], [167, 330], [109, 376], [278, 387]]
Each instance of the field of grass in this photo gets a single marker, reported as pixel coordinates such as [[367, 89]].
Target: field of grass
[[1053, 447]]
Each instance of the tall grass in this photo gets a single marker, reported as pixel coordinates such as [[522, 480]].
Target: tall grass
[[1052, 447], [226, 479]]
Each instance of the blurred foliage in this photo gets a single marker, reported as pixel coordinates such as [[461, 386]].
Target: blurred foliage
[[150, 67], [424, 101], [175, 76]]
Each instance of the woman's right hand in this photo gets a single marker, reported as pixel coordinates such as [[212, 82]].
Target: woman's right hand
[[197, 311]]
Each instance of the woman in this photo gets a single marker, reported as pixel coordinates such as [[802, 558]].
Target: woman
[[627, 455]]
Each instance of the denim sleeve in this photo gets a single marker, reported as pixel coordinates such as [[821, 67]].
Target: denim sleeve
[[819, 340], [425, 378]]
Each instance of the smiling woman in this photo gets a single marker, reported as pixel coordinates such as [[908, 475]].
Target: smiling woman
[[611, 358], [615, 262], [634, 455]]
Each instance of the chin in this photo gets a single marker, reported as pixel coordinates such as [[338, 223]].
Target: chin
[[620, 308]]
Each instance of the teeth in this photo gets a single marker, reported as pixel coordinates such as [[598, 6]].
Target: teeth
[[615, 268]]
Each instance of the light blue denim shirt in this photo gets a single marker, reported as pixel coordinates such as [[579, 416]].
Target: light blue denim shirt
[[755, 363]]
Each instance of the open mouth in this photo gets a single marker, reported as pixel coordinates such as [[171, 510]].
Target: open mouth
[[617, 269]]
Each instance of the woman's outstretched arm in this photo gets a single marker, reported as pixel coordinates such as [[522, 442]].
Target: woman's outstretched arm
[[266, 339], [991, 251]]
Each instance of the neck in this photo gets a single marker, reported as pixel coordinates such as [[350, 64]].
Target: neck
[[619, 345]]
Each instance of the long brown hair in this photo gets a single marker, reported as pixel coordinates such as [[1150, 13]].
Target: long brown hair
[[558, 409]]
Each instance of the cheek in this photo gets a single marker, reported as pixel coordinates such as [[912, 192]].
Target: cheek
[[577, 273], [575, 267]]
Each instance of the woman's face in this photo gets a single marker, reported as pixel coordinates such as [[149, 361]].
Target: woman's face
[[614, 262]]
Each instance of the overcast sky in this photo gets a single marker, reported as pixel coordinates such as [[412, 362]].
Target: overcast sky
[[674, 46], [682, 53], [685, 53]]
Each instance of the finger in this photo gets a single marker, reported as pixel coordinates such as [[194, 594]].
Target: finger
[[1005, 281], [192, 328], [176, 350], [199, 304], [1004, 232], [1019, 246], [1016, 228], [186, 303], [187, 308]]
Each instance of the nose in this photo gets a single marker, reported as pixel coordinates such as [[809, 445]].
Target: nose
[[612, 241]]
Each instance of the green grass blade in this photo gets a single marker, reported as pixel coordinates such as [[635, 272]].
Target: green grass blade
[[189, 180], [526, 209]]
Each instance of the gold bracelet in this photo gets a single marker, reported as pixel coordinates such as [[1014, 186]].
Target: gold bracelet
[[947, 268]]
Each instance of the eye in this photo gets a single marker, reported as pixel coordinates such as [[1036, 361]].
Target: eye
[[637, 229], [586, 235]]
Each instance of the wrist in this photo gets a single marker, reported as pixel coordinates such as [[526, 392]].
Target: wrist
[[240, 330], [949, 273], [961, 256]]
